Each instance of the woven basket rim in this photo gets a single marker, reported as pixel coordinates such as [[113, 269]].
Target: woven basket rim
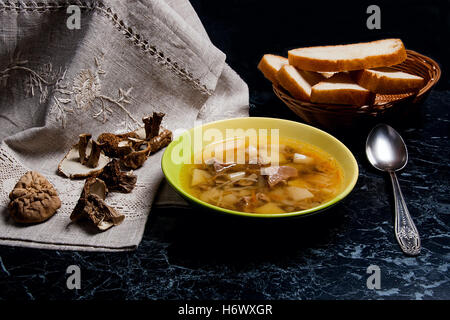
[[431, 66]]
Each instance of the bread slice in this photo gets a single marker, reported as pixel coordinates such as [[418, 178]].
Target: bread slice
[[298, 82], [386, 80], [341, 89], [270, 64], [381, 53], [327, 75]]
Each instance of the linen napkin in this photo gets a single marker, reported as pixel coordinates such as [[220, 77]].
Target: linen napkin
[[127, 59]]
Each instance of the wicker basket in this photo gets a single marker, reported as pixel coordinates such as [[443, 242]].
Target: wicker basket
[[336, 117]]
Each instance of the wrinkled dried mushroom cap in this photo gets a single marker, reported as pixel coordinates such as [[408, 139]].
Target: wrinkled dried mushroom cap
[[91, 205], [33, 199]]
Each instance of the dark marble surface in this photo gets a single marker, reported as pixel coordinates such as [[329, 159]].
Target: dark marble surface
[[186, 254]]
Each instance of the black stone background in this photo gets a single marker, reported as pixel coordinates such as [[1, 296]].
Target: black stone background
[[187, 254]]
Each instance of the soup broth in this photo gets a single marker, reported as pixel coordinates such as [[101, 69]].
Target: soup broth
[[303, 177]]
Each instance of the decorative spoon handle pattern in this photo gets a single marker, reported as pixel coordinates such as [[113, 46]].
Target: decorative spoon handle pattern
[[405, 230]]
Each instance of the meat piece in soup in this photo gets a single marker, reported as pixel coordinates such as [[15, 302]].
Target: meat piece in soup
[[304, 177], [281, 175]]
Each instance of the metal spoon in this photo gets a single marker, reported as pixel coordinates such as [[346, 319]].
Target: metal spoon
[[387, 151]]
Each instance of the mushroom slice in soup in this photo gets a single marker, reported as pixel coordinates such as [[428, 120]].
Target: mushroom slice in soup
[[248, 181], [236, 175], [302, 159], [200, 177], [221, 167], [282, 174]]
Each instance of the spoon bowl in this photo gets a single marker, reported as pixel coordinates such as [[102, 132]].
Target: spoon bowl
[[386, 149]]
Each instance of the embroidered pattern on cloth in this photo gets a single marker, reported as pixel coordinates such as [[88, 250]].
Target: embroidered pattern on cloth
[[84, 95], [42, 79], [135, 37], [86, 92]]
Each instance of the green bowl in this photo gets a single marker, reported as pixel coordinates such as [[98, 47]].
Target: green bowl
[[172, 165]]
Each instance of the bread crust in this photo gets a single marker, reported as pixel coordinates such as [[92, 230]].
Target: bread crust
[[268, 68], [395, 55], [348, 95], [383, 83], [342, 97], [297, 82]]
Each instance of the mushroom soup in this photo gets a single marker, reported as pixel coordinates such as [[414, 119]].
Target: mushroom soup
[[296, 176]]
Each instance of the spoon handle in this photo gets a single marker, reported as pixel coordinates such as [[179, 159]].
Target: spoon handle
[[405, 230]]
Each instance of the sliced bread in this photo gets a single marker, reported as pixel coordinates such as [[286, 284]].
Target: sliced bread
[[270, 64], [388, 81], [327, 74], [349, 57], [341, 89], [298, 82]]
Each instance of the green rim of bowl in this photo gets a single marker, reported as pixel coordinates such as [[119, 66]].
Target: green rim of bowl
[[166, 160]]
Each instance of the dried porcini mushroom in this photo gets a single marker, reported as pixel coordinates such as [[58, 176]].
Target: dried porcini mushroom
[[95, 186], [82, 144], [136, 143], [154, 141], [136, 159], [125, 147], [115, 145], [33, 199], [160, 141], [76, 164], [95, 154], [157, 119], [96, 210], [148, 122], [91, 205], [133, 148], [117, 180], [152, 124]]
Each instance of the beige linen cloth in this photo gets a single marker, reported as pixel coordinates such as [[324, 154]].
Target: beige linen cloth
[[128, 59]]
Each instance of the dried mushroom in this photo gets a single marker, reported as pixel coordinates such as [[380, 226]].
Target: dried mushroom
[[95, 186], [94, 157], [133, 148], [76, 163], [82, 145], [152, 124], [117, 180], [33, 199], [140, 133], [92, 206], [117, 145], [95, 150], [136, 159], [136, 143], [161, 140], [148, 123]]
